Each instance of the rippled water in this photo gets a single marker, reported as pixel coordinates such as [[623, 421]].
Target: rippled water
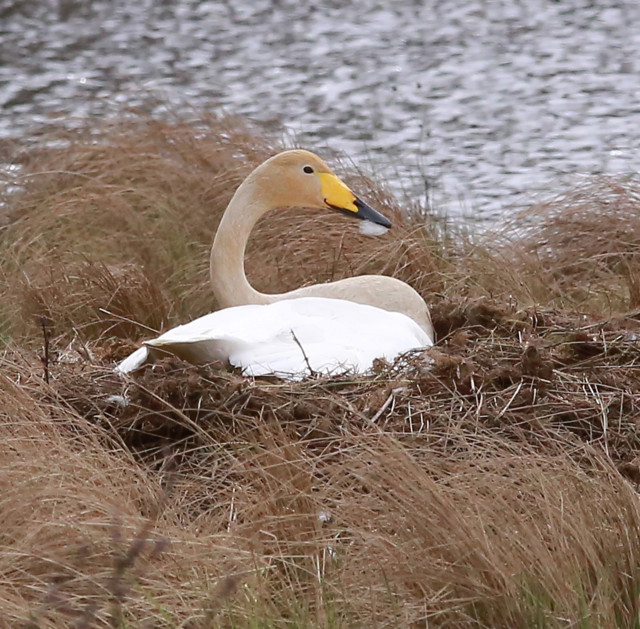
[[483, 102]]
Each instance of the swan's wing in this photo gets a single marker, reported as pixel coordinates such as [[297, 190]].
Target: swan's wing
[[334, 336], [291, 338], [305, 335], [199, 341]]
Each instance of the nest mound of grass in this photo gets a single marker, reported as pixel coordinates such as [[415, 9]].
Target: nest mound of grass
[[494, 487], [528, 375], [490, 483]]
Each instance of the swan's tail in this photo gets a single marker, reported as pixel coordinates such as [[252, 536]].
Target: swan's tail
[[134, 361]]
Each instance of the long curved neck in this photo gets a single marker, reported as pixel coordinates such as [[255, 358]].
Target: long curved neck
[[226, 266], [228, 279]]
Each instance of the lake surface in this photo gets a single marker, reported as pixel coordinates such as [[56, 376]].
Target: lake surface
[[487, 104]]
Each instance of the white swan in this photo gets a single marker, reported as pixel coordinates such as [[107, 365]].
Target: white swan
[[325, 328]]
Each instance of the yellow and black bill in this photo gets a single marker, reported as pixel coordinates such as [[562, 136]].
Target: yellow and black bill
[[338, 196]]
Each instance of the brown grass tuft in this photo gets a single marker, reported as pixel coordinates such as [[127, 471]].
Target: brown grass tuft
[[477, 493], [122, 218], [580, 250]]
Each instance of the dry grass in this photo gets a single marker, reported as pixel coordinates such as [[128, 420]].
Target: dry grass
[[123, 218], [495, 489], [579, 250]]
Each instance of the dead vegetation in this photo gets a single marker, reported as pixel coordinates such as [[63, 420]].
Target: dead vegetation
[[579, 250], [495, 488], [125, 221]]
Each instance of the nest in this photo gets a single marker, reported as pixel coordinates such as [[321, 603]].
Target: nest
[[533, 376]]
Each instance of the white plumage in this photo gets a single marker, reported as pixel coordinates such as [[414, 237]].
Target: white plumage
[[290, 338]]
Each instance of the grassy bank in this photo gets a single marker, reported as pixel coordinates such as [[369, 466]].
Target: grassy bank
[[496, 488]]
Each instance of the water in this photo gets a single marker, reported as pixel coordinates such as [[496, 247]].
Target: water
[[484, 105]]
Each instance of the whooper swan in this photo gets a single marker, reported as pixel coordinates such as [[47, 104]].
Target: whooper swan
[[325, 328]]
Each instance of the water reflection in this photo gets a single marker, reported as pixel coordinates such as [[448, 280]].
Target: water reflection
[[483, 101]]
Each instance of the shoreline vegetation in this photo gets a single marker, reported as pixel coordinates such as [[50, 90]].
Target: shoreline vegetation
[[496, 487]]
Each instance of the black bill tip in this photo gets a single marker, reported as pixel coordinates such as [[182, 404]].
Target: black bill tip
[[364, 212], [367, 213]]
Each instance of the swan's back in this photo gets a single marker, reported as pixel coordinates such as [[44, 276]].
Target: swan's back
[[290, 338]]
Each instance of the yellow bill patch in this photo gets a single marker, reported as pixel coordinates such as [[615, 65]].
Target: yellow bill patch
[[336, 193]]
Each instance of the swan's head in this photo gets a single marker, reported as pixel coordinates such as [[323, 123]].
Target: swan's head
[[300, 178]]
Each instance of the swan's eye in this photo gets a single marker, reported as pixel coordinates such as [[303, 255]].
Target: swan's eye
[[308, 170]]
